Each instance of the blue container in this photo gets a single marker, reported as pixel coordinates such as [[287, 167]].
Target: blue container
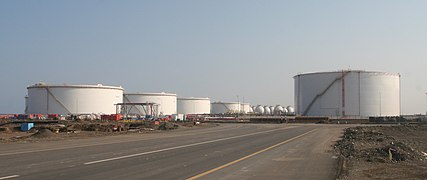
[[27, 126]]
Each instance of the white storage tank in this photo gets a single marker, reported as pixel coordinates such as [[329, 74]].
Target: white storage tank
[[166, 102], [225, 108], [290, 110], [347, 94], [259, 110], [285, 112], [278, 110], [72, 99], [245, 108], [194, 105], [267, 110], [251, 110]]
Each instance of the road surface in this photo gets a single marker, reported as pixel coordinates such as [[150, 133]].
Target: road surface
[[228, 151]]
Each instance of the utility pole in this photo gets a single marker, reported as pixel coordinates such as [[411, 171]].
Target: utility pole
[[238, 109], [380, 103]]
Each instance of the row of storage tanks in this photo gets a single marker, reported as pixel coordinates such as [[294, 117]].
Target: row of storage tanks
[[244, 108], [346, 93], [99, 99]]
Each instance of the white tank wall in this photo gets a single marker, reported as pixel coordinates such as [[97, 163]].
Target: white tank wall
[[290, 110], [167, 102], [278, 110], [194, 105], [73, 99], [251, 110], [347, 93], [245, 108], [26, 105], [267, 110], [259, 110], [225, 107]]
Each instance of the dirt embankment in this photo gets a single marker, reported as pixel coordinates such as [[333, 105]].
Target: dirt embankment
[[383, 152], [83, 129]]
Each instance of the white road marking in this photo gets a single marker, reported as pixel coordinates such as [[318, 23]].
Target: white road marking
[[179, 147], [246, 157], [98, 144], [9, 177]]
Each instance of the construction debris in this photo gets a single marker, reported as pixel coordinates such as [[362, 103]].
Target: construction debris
[[10, 130], [384, 152]]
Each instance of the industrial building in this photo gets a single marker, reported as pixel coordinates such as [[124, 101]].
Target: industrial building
[[166, 103], [192, 105], [347, 93], [72, 99]]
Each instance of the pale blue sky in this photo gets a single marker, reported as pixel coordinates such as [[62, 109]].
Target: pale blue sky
[[217, 49]]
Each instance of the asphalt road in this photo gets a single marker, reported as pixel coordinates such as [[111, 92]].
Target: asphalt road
[[229, 151]]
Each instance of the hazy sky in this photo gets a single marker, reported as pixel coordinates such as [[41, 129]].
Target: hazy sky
[[217, 49]]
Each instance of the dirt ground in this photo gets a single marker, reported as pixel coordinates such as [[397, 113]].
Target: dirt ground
[[383, 152], [10, 132]]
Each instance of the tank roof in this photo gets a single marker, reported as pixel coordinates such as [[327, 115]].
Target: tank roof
[[151, 94], [98, 86], [193, 98], [347, 71], [219, 102]]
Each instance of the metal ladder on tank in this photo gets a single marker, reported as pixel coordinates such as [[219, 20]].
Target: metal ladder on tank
[[324, 91]]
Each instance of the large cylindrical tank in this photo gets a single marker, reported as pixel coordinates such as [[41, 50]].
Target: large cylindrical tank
[[72, 99], [267, 110], [347, 94], [193, 105], [225, 108], [259, 110], [245, 108], [166, 102]]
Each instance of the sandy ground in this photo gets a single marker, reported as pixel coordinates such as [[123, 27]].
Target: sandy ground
[[384, 152], [10, 133]]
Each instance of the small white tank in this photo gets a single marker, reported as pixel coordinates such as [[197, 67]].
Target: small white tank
[[272, 110], [285, 111], [251, 110], [225, 107], [278, 110], [167, 102], [192, 105], [267, 110], [245, 108], [291, 110], [259, 110]]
